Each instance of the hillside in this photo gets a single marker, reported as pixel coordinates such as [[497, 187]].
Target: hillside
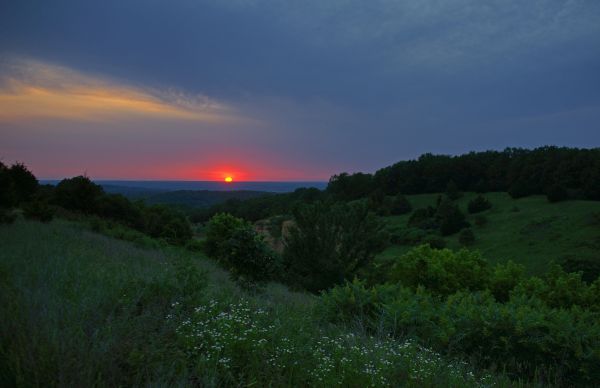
[[530, 230], [81, 309]]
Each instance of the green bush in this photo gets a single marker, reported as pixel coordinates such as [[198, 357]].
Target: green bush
[[441, 271], [240, 249], [331, 243], [450, 218], [523, 336], [400, 205], [478, 204]]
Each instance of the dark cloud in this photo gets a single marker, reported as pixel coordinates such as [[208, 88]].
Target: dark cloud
[[347, 84]]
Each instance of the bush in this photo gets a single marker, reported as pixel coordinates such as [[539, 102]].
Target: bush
[[481, 220], [523, 336], [423, 218], [589, 268], [466, 237], [25, 183], [331, 243], [504, 278], [38, 210], [167, 224], [240, 249], [450, 218], [452, 191], [400, 205], [435, 242], [479, 204], [78, 194], [441, 271], [8, 196], [556, 193]]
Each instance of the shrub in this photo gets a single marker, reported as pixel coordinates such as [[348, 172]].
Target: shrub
[[423, 218], [8, 196], [589, 268], [441, 271], [38, 210], [504, 278], [479, 204], [167, 224], [556, 193], [400, 205], [435, 242], [450, 218], [240, 249], [331, 243], [79, 194], [481, 220], [25, 183], [466, 237], [452, 191]]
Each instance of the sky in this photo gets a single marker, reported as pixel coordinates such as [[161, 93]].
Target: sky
[[289, 90]]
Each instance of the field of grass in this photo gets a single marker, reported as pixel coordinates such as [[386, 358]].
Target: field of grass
[[82, 309], [530, 231]]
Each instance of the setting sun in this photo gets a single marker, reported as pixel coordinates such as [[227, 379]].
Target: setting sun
[[228, 179]]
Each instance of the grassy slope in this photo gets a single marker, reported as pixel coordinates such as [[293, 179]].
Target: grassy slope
[[81, 309], [536, 234]]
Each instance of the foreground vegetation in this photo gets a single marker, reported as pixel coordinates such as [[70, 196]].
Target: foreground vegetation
[[80, 309]]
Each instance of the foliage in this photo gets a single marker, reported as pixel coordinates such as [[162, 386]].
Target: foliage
[[556, 193], [521, 172], [450, 218], [522, 336], [479, 204], [330, 243], [400, 205], [452, 191], [347, 187], [163, 222], [38, 210], [441, 271], [81, 309], [481, 220], [7, 216], [466, 237], [240, 249], [589, 268], [25, 183], [79, 194]]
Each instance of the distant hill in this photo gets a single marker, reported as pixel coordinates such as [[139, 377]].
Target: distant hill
[[199, 198]]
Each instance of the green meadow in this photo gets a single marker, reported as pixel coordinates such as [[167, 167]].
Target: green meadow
[[530, 231]]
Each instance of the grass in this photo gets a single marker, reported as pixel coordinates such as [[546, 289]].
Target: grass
[[82, 309], [530, 231]]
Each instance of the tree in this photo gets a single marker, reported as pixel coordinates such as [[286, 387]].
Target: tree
[[400, 205], [466, 237], [7, 188], [25, 183], [556, 193], [78, 194], [478, 204], [240, 249], [330, 244], [452, 191], [450, 218]]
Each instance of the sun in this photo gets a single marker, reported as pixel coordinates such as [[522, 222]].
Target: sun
[[228, 179]]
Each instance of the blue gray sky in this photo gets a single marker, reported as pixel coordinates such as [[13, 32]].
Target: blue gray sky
[[289, 90]]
